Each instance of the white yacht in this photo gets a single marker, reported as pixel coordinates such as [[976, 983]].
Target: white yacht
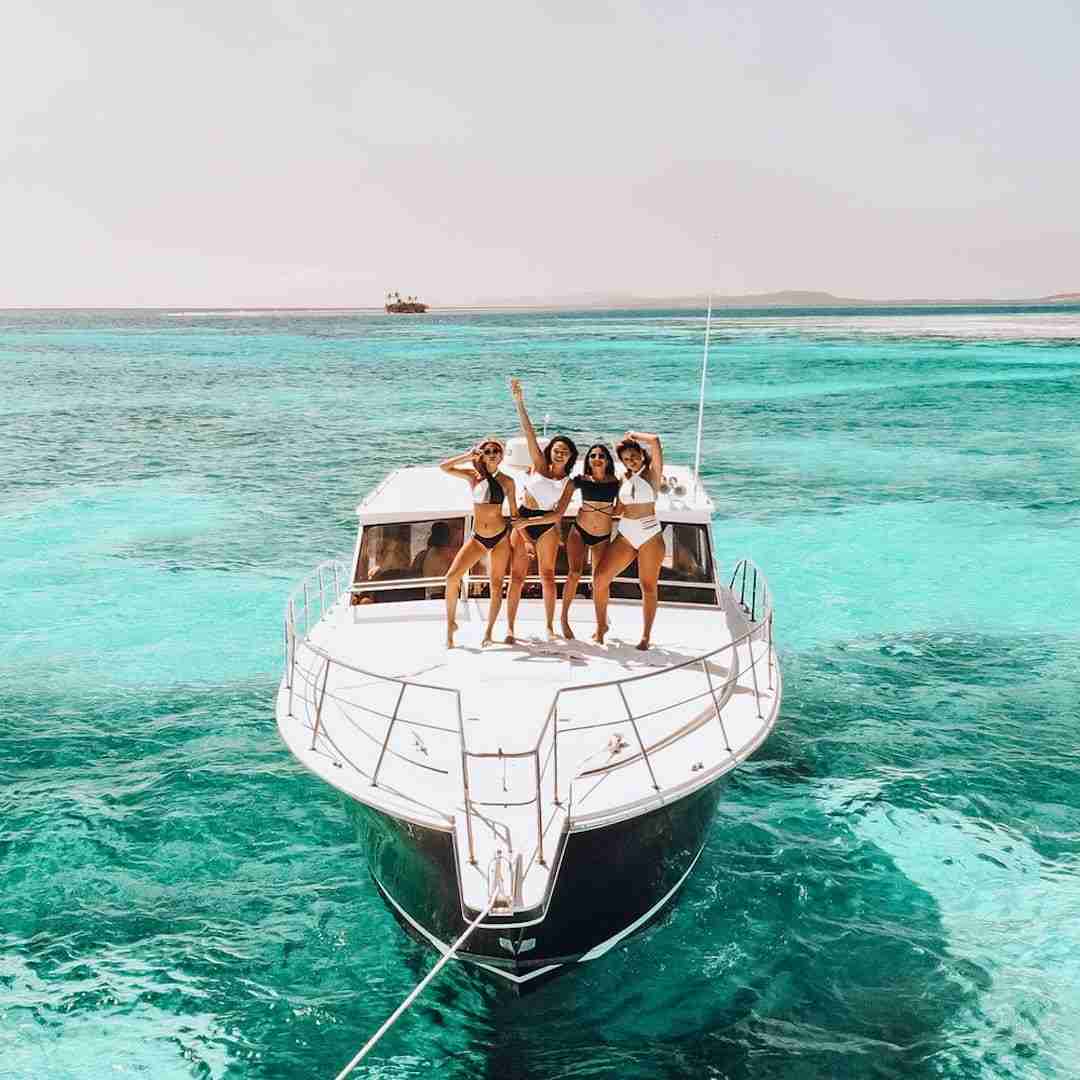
[[560, 791]]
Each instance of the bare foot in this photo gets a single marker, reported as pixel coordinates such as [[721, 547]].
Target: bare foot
[[644, 645], [451, 627], [551, 635], [487, 640], [509, 640], [566, 631], [598, 637]]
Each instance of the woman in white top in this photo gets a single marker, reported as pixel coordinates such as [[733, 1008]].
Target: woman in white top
[[639, 531], [491, 530], [544, 488]]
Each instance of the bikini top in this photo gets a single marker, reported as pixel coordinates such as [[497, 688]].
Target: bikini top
[[488, 491], [603, 491], [636, 490], [544, 490]]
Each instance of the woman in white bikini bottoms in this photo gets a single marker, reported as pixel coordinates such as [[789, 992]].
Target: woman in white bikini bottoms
[[543, 490], [639, 531], [491, 531]]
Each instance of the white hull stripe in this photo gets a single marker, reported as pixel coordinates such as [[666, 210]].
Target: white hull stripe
[[599, 950], [595, 952]]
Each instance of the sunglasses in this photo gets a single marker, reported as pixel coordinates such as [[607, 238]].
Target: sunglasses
[[491, 451]]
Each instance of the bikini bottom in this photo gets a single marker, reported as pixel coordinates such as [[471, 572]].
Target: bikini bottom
[[639, 531], [535, 531], [589, 539], [492, 541]]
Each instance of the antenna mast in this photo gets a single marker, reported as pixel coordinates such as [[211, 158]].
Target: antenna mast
[[701, 399]]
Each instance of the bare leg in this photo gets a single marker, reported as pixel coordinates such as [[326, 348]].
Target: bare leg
[[463, 562], [499, 560], [547, 550], [519, 570], [650, 556], [575, 555], [619, 555]]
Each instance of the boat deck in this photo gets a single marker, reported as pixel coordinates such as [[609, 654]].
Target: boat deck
[[506, 690], [390, 733]]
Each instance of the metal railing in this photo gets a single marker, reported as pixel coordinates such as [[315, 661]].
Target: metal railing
[[307, 677], [717, 685]]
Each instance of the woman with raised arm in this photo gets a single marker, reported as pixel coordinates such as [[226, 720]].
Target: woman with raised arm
[[544, 488], [491, 530], [639, 531]]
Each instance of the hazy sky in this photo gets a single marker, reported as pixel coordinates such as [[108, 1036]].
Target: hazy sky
[[309, 153]]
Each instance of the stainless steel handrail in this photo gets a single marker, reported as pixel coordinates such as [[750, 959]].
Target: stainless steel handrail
[[619, 684]]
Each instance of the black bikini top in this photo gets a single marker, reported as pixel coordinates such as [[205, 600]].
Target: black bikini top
[[597, 490]]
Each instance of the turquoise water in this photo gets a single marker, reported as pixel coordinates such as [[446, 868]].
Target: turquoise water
[[892, 886]]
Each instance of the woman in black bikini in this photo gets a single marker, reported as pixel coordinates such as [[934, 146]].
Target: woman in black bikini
[[591, 531], [491, 530], [544, 487]]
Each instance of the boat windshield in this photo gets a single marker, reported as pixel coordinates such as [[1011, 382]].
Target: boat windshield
[[392, 554]]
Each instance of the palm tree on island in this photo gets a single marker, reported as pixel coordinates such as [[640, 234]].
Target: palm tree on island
[[409, 306]]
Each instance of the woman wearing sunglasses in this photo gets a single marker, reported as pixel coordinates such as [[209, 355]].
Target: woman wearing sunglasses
[[544, 489], [640, 536], [491, 530], [591, 531]]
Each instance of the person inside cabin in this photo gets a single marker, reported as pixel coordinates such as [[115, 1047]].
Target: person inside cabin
[[435, 558], [491, 530], [684, 564], [544, 488], [639, 534], [392, 557]]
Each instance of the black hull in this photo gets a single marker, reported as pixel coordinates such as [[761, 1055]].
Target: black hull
[[610, 881]]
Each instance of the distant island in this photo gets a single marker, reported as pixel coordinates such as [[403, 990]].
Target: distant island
[[395, 305], [789, 298]]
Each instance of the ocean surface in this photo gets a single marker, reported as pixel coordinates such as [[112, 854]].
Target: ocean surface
[[892, 885]]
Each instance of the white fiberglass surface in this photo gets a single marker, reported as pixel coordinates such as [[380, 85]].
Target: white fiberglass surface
[[506, 694], [506, 690]]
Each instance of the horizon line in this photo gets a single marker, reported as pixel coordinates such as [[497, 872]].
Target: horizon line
[[778, 298]]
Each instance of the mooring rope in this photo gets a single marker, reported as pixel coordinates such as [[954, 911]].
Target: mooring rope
[[415, 992]]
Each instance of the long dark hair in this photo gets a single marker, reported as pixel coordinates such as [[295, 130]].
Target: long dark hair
[[480, 465], [570, 446], [633, 444], [609, 461]]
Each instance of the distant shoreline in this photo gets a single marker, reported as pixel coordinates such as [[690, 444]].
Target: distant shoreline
[[756, 301]]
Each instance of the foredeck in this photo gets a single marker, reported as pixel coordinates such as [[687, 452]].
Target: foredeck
[[510, 745], [507, 690]]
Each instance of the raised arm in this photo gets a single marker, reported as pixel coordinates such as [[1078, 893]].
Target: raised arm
[[451, 466], [656, 452], [537, 455]]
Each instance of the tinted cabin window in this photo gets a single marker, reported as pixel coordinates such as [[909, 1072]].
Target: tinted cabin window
[[687, 560], [391, 554]]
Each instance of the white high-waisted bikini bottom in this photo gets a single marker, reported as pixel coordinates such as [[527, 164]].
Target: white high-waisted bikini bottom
[[639, 530]]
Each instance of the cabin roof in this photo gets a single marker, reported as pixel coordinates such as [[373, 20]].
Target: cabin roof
[[423, 492]]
